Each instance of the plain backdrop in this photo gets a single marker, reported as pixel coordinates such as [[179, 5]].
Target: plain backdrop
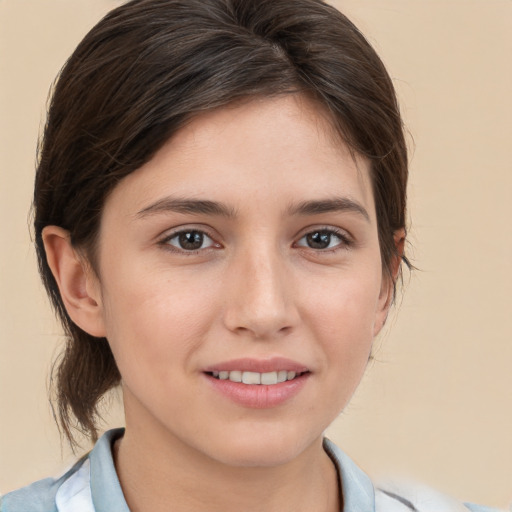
[[436, 404]]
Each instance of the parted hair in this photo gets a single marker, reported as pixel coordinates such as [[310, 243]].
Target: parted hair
[[147, 68]]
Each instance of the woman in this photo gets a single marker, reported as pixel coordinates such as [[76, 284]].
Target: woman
[[220, 224]]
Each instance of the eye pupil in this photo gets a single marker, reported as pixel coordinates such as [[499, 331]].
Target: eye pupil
[[319, 239], [191, 240]]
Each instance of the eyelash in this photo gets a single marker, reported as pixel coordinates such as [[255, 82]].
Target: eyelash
[[345, 242]]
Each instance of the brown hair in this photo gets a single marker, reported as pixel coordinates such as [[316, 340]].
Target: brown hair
[[150, 66]]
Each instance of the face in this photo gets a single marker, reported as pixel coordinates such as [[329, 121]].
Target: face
[[245, 250]]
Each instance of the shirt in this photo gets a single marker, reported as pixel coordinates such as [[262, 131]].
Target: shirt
[[91, 485]]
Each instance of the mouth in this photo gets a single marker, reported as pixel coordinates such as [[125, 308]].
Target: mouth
[[258, 383], [257, 378]]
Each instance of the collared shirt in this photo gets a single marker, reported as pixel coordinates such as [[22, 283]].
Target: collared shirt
[[92, 485]]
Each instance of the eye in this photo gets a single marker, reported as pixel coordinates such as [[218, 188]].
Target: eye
[[190, 240], [322, 239]]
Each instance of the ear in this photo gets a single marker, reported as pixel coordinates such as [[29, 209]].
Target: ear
[[78, 285], [387, 290]]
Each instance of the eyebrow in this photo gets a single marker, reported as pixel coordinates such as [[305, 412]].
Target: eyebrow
[[184, 205], [335, 204], [207, 207]]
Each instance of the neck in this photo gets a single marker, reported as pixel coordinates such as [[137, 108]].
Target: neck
[[157, 474]]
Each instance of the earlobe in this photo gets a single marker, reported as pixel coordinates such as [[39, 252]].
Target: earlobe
[[78, 286], [387, 291]]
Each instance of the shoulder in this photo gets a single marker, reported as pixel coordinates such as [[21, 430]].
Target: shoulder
[[360, 493], [92, 479], [45, 495], [402, 497]]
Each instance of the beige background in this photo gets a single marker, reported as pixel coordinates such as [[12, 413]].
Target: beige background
[[436, 406]]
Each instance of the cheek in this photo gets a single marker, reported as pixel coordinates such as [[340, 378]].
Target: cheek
[[343, 313], [353, 293], [154, 319]]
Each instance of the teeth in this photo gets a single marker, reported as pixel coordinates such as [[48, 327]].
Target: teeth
[[235, 376], [251, 378], [267, 379], [282, 376]]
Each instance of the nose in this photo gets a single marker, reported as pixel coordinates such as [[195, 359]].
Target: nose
[[261, 301]]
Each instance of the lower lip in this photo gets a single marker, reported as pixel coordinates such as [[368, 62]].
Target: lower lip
[[259, 396]]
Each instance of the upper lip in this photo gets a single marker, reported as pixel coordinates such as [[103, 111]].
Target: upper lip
[[273, 364]]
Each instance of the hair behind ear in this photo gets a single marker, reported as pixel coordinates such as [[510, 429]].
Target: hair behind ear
[[86, 369]]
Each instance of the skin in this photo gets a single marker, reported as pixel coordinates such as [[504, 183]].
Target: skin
[[255, 288]]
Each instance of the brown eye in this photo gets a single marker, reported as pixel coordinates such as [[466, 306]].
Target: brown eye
[[190, 240], [319, 240], [322, 239]]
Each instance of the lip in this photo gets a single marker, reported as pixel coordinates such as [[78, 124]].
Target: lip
[[258, 396], [258, 365]]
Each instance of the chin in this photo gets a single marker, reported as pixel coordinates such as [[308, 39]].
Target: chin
[[263, 449]]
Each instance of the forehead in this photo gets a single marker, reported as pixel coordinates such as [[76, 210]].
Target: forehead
[[281, 150]]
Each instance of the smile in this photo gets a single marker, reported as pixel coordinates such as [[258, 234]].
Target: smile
[[266, 379]]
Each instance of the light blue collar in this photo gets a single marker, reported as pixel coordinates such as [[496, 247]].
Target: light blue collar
[[107, 495], [356, 487]]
